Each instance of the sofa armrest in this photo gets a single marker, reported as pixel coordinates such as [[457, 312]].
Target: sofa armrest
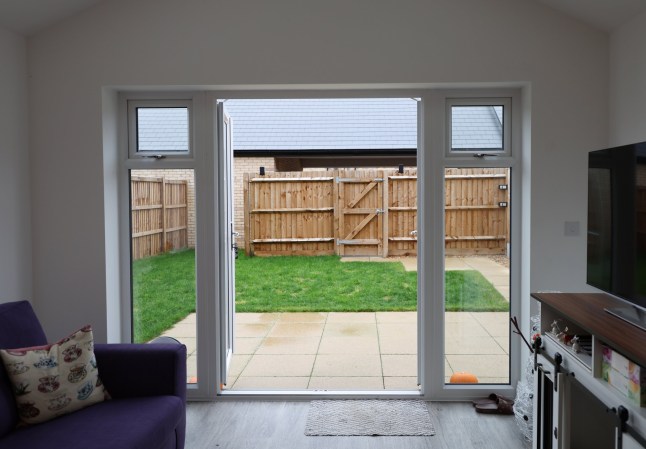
[[135, 370]]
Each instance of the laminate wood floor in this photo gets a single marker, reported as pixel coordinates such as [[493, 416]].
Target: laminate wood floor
[[253, 424]]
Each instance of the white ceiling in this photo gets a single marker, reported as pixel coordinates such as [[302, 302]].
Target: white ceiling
[[27, 17], [603, 14]]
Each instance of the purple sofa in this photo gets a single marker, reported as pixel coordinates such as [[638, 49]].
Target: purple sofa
[[147, 384]]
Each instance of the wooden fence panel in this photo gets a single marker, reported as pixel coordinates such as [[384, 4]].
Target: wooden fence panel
[[159, 216], [475, 221], [290, 214], [402, 213], [371, 212]]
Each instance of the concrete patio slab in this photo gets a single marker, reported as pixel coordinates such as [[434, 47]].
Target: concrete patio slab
[[397, 330], [351, 317], [472, 345], [256, 318], [350, 330], [238, 364], [482, 365], [358, 351], [278, 365], [302, 317], [290, 329], [399, 365], [348, 345], [347, 365], [252, 330], [289, 345], [405, 343], [396, 317], [247, 345], [401, 383]]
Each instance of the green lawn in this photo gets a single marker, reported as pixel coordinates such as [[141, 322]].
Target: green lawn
[[316, 284], [163, 292], [164, 288]]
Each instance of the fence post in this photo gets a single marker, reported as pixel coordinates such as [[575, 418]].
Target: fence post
[[246, 214], [163, 202], [335, 201], [385, 207]]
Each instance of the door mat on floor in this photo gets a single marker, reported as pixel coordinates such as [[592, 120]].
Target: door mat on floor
[[369, 417]]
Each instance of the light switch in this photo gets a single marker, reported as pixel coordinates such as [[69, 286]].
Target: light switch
[[571, 228]]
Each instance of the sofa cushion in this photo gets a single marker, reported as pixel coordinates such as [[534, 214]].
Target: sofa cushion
[[19, 327], [134, 423], [56, 379]]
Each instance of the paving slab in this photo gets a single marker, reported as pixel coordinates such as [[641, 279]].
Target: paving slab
[[328, 350]]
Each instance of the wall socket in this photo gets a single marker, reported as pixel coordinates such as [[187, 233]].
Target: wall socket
[[572, 228]]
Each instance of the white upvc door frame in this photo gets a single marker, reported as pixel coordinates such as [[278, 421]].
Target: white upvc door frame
[[434, 161], [431, 161], [201, 161]]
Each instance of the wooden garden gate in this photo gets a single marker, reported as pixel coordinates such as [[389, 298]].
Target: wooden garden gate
[[360, 215]]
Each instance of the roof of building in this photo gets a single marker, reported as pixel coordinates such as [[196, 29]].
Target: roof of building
[[476, 127], [324, 124]]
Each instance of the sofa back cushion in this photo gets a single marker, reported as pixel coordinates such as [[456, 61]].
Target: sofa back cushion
[[19, 327]]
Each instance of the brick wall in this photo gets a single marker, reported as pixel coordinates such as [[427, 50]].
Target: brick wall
[[242, 165]]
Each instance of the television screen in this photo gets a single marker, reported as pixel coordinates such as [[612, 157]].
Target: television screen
[[617, 222]]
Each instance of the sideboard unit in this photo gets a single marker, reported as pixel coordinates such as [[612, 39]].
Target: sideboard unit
[[574, 406]]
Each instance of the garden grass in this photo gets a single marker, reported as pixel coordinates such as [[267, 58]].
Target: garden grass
[[164, 288], [163, 292], [322, 283]]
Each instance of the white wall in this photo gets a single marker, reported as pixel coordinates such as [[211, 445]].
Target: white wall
[[628, 83], [291, 42], [15, 227]]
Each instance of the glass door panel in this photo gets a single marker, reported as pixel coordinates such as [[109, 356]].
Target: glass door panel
[[477, 281], [162, 228]]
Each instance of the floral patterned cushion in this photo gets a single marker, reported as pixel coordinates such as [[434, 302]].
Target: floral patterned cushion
[[52, 380]]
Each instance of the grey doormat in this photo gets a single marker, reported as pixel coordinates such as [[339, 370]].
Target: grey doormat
[[369, 417]]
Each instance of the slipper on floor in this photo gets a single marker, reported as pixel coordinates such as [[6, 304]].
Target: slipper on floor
[[492, 399], [501, 407]]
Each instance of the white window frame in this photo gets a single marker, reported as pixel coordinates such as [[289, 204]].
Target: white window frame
[[201, 161], [431, 161], [433, 164], [507, 125], [133, 150]]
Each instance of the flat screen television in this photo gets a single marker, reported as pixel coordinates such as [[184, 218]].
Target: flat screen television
[[616, 256]]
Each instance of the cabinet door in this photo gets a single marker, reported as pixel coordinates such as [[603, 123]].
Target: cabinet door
[[544, 407], [560, 413]]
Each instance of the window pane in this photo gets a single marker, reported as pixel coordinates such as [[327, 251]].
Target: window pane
[[163, 259], [477, 275], [162, 130], [477, 128]]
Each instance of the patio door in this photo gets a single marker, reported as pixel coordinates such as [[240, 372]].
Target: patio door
[[227, 240]]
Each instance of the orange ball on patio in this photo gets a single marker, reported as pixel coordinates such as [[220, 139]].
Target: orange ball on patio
[[463, 377]]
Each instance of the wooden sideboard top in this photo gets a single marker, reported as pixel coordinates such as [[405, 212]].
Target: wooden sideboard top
[[587, 311]]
